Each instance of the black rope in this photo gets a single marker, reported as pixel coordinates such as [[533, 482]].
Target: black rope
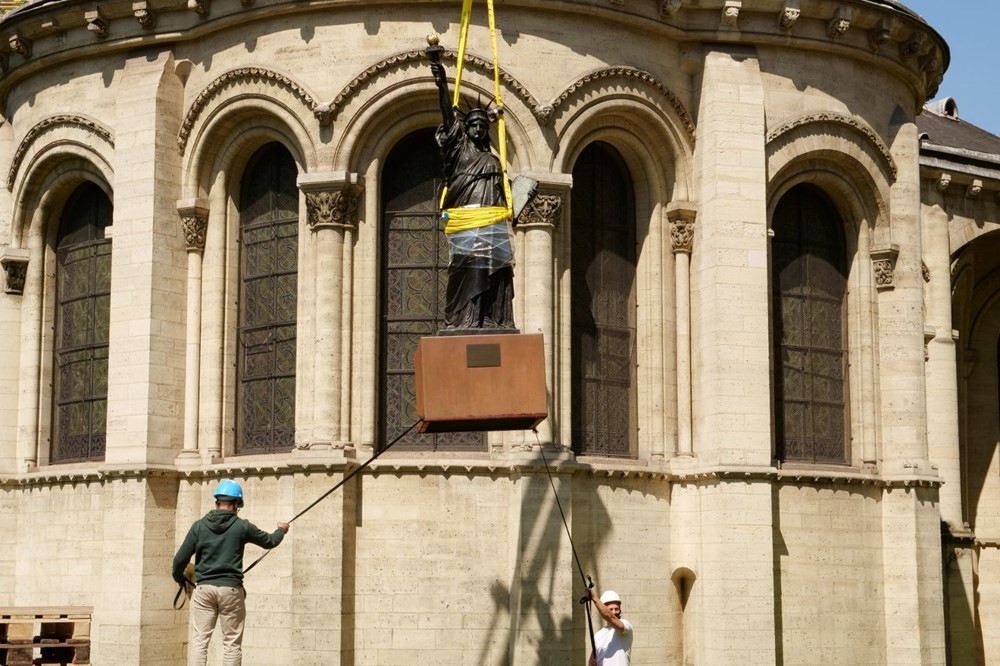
[[338, 485], [588, 584]]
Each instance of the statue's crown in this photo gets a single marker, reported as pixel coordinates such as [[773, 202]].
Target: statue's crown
[[480, 111]]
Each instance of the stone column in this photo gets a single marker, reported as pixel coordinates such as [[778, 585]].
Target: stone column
[[15, 267], [194, 223], [332, 206], [682, 217], [537, 222], [29, 376]]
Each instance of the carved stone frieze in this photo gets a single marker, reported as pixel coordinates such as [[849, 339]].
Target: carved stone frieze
[[545, 209], [884, 267], [630, 74], [419, 58], [52, 122], [144, 14], [840, 119], [195, 228], [15, 267], [333, 208], [236, 77]]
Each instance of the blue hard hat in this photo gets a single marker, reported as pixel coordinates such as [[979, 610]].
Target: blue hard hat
[[229, 490]]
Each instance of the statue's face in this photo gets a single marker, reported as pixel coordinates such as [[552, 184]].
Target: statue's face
[[477, 129]]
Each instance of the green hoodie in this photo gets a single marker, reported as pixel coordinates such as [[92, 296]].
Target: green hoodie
[[218, 540]]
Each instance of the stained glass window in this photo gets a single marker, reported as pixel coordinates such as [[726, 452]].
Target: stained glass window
[[809, 288], [83, 298], [414, 277], [603, 304], [269, 214]]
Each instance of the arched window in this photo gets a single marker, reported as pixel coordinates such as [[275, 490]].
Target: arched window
[[809, 299], [603, 256], [269, 248], [82, 322], [414, 276]]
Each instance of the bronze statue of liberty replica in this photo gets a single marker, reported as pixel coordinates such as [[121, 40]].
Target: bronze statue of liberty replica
[[480, 290]]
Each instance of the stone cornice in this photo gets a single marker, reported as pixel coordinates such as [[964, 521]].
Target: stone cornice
[[243, 76], [54, 122], [851, 122]]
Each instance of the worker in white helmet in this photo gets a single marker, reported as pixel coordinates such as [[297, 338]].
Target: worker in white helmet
[[614, 640]]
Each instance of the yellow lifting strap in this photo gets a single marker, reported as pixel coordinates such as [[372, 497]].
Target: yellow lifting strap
[[462, 219]]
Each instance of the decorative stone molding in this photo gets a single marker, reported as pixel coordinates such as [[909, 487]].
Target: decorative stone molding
[[20, 45], [199, 7], [96, 23], [731, 12], [144, 14], [925, 271], [846, 121], [975, 189], [630, 74], [884, 267], [241, 76], [54, 122], [419, 58], [545, 209], [788, 16], [669, 7], [944, 180], [682, 217], [15, 267], [333, 208]]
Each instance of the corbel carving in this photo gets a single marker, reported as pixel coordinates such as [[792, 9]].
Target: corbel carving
[[975, 189], [333, 207], [96, 23], [925, 271], [913, 46], [144, 14], [788, 16], [682, 218], [20, 45], [944, 180], [838, 26], [544, 209], [731, 12], [199, 7], [669, 7], [15, 267], [884, 267], [878, 38]]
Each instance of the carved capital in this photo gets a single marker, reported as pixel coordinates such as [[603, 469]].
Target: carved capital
[[195, 227], [144, 14], [15, 267], [682, 218], [884, 267], [337, 208], [544, 210]]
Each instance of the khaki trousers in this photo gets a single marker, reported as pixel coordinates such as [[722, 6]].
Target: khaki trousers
[[208, 604]]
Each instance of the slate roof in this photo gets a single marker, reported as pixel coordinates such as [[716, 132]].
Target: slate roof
[[957, 133]]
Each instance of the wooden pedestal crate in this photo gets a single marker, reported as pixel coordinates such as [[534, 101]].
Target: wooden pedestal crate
[[480, 382], [40, 635]]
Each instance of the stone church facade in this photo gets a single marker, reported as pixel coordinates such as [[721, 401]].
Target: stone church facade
[[765, 277]]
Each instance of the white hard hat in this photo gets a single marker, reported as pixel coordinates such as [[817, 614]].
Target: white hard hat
[[610, 596]]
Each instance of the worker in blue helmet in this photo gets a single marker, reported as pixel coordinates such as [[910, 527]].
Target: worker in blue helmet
[[217, 541]]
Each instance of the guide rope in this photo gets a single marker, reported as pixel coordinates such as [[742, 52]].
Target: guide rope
[[588, 583]]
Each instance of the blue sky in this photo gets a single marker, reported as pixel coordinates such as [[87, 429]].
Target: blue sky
[[973, 78]]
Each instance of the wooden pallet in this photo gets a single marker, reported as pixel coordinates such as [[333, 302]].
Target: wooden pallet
[[42, 635]]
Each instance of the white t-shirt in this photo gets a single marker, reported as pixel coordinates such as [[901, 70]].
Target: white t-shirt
[[614, 648]]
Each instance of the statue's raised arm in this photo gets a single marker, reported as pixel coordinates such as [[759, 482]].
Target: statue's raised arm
[[434, 51]]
